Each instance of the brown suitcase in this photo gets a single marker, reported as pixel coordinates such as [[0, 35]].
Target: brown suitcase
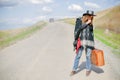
[[97, 57]]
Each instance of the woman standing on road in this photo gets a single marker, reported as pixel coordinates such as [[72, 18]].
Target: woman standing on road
[[85, 33]]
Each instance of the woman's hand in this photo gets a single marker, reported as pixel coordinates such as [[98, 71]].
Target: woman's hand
[[89, 21]]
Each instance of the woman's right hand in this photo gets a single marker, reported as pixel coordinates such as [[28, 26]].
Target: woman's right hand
[[89, 21]]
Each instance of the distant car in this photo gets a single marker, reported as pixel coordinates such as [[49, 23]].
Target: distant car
[[51, 20]]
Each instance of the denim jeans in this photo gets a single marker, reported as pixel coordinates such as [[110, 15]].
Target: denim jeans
[[78, 56]]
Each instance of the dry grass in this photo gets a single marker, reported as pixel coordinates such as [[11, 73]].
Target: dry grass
[[108, 19]]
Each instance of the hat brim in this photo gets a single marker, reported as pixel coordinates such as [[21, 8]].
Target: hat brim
[[88, 14]]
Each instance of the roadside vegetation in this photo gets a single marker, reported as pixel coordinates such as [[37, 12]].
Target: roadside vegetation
[[111, 39], [8, 37]]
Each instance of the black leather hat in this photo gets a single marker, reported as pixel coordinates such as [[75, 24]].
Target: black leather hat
[[88, 12]]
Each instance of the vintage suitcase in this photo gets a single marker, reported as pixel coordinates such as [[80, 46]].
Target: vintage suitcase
[[97, 57]]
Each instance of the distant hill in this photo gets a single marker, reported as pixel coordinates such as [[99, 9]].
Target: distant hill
[[108, 19]]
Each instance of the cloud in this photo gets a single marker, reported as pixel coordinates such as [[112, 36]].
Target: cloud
[[27, 20], [23, 21], [117, 2], [92, 5], [38, 18], [75, 7], [47, 9], [41, 1], [12, 3], [32, 20], [8, 3], [8, 20]]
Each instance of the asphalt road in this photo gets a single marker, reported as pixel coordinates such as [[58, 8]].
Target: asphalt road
[[48, 55]]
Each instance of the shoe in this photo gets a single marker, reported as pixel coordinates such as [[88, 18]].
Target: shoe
[[88, 73], [72, 73]]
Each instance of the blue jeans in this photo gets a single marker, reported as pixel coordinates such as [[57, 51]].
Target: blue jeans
[[78, 56]]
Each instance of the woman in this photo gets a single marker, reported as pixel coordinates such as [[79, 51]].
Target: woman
[[85, 33]]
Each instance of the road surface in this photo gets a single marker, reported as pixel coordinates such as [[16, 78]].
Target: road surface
[[48, 55]]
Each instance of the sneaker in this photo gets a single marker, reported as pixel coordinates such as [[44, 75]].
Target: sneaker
[[72, 73], [88, 73]]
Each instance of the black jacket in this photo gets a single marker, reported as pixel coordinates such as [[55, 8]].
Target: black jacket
[[85, 32]]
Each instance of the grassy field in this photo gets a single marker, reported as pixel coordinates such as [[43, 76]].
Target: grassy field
[[111, 39], [108, 19], [8, 37]]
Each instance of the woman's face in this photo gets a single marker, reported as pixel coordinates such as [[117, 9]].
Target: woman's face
[[86, 18], [89, 17]]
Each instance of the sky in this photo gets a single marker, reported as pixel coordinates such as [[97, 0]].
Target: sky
[[23, 13]]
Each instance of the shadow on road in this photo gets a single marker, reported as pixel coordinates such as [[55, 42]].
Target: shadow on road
[[94, 68]]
